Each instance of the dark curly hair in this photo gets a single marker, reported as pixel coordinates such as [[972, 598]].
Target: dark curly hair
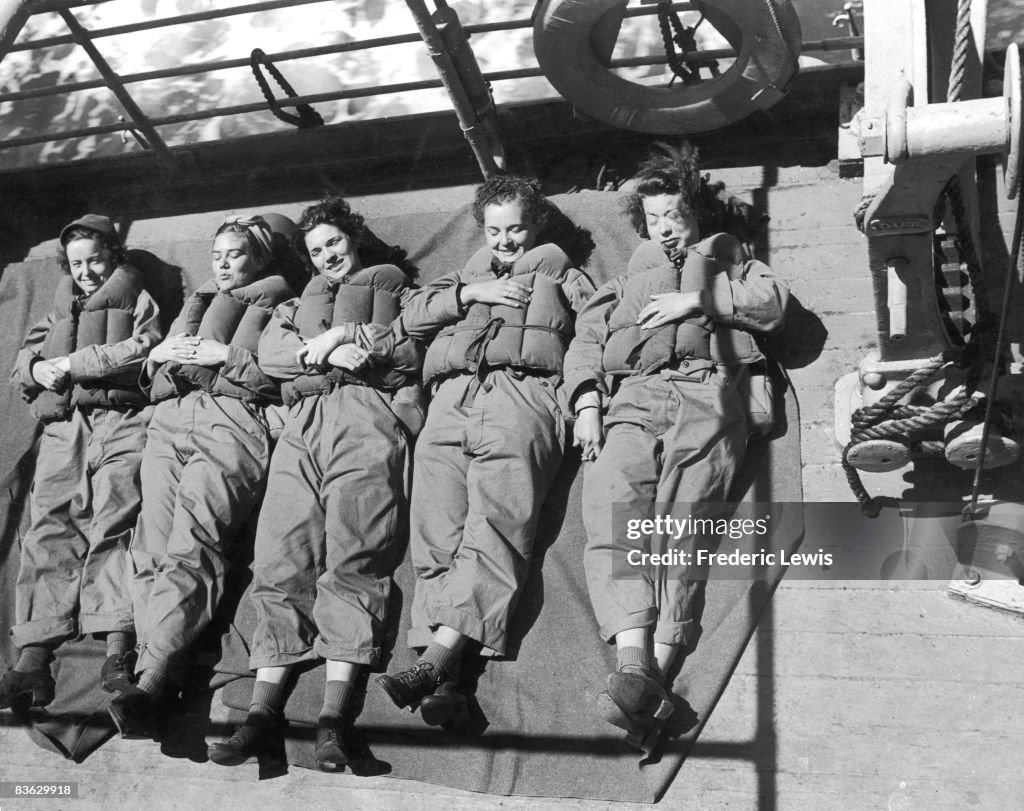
[[331, 210], [109, 240], [507, 188], [335, 210], [675, 170]]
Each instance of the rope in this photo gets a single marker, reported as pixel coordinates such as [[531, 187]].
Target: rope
[[887, 419], [674, 33], [307, 117], [862, 208], [961, 50]]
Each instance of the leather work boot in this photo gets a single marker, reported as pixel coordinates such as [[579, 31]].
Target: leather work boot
[[331, 744], [118, 672], [634, 700], [35, 686], [134, 713], [250, 740], [408, 687], [447, 705]]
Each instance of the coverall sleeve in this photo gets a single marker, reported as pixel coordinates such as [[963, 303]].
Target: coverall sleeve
[[149, 368], [106, 360], [29, 354], [432, 307], [242, 368], [390, 345], [755, 302], [280, 342], [578, 289], [584, 367]]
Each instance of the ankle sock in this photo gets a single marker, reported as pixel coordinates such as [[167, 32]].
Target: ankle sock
[[153, 681], [442, 658], [636, 657], [267, 698], [336, 696], [33, 657], [119, 643]]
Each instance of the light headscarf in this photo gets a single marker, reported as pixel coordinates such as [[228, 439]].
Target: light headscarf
[[257, 228]]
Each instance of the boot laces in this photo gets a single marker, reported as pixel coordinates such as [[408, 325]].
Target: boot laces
[[418, 673], [330, 733]]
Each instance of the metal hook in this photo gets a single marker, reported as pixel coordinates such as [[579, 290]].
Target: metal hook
[[848, 19], [138, 136]]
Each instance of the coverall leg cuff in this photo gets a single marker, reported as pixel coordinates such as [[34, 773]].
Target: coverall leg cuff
[[51, 630], [473, 627], [104, 623], [258, 660], [624, 622], [358, 656], [673, 633], [418, 638]]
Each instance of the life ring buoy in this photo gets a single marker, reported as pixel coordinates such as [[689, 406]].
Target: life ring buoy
[[765, 62]]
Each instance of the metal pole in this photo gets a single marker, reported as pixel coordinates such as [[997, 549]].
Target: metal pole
[[139, 118], [13, 15], [164, 22], [487, 154]]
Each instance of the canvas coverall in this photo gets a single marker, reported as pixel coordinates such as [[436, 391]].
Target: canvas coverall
[[675, 436], [491, 447], [329, 529], [203, 473], [74, 573]]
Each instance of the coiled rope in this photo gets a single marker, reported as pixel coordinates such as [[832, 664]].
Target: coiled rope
[[886, 419]]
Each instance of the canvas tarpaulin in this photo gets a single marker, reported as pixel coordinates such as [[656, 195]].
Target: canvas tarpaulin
[[542, 735]]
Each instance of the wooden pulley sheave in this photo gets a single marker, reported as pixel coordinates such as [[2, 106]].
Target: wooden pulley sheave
[[573, 40]]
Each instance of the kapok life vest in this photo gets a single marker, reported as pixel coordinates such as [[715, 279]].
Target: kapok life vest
[[496, 336], [105, 317], [632, 350], [236, 318], [371, 296]]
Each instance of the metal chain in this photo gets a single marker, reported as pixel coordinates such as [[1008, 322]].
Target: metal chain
[[982, 304], [307, 117], [953, 192], [1012, 271]]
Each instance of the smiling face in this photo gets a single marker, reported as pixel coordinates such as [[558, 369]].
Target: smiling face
[[233, 262], [332, 252], [91, 264], [508, 230], [666, 223]]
